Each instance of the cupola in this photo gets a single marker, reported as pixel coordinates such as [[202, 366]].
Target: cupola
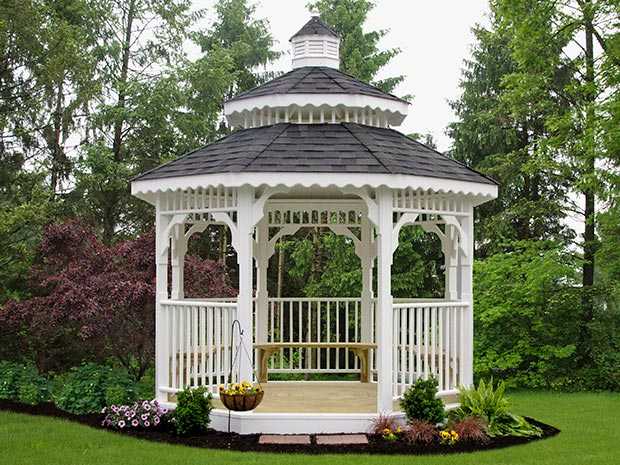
[[315, 91], [315, 44]]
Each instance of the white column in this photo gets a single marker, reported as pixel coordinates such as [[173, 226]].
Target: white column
[[384, 310], [466, 295], [450, 248], [162, 368], [262, 296], [245, 228], [367, 262], [179, 249]]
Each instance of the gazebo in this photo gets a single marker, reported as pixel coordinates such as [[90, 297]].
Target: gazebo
[[314, 148]]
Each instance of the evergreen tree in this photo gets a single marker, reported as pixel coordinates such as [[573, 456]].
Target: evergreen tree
[[245, 38], [499, 140], [569, 69], [360, 55]]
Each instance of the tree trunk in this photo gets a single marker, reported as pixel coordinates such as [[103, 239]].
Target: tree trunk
[[58, 154], [109, 213], [589, 235]]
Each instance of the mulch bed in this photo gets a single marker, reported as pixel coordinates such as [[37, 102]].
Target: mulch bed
[[249, 442]]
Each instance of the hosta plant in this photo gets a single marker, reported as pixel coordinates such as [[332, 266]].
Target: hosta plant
[[490, 403]]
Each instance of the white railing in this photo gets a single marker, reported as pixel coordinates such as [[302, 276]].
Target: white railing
[[304, 319], [198, 342], [428, 341]]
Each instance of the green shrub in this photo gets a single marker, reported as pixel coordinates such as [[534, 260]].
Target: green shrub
[[90, 387], [9, 375], [490, 404], [22, 383], [191, 415], [420, 402]]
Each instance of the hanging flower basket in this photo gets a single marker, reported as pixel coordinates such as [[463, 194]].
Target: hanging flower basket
[[241, 397]]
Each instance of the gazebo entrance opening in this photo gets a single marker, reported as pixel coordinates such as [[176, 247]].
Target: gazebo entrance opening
[[304, 335]]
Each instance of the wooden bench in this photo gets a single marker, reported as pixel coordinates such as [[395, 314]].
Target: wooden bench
[[361, 349]]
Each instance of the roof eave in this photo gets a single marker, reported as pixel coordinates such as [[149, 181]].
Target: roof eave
[[478, 192]]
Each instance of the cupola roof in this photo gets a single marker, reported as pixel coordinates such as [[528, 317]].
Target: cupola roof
[[316, 26]]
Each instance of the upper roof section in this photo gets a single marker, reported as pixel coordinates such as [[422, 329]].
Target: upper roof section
[[317, 148], [315, 80], [315, 94]]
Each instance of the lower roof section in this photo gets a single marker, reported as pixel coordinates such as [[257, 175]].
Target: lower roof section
[[344, 148]]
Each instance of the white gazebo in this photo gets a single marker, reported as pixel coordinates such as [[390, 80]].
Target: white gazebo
[[314, 148]]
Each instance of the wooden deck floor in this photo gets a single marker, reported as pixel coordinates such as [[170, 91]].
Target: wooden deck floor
[[318, 397]]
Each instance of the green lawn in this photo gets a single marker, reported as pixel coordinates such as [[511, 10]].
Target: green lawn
[[589, 424]]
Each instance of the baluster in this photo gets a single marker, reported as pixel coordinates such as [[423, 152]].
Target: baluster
[[441, 349], [173, 344], [337, 303], [434, 339], [328, 335], [411, 341], [346, 334]]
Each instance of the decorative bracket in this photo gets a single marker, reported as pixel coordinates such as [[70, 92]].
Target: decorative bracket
[[371, 205], [258, 208], [406, 218], [287, 230], [226, 219], [463, 239]]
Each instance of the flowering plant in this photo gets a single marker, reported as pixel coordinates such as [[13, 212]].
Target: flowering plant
[[448, 438], [244, 388], [391, 434], [142, 414]]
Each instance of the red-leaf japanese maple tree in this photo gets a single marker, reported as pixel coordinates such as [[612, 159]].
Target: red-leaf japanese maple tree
[[93, 301]]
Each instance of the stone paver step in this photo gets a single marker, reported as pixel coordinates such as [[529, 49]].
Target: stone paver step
[[341, 439], [284, 439]]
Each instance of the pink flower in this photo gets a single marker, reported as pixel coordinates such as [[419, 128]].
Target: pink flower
[[144, 416], [121, 424], [156, 420], [146, 424], [134, 422]]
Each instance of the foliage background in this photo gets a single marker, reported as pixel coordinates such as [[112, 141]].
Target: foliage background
[[94, 92]]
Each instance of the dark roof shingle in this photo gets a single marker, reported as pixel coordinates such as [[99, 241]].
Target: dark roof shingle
[[317, 148], [315, 26], [315, 80]]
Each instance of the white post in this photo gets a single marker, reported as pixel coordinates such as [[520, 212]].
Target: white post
[[466, 295], [450, 248], [367, 262], [162, 368], [262, 296], [384, 311], [179, 249], [245, 227]]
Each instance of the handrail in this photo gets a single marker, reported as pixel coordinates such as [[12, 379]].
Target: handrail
[[198, 303], [436, 304], [314, 299]]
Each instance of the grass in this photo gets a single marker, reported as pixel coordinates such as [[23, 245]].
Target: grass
[[588, 422]]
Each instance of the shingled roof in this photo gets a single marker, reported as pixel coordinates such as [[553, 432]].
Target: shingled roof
[[315, 80], [315, 26], [317, 148]]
